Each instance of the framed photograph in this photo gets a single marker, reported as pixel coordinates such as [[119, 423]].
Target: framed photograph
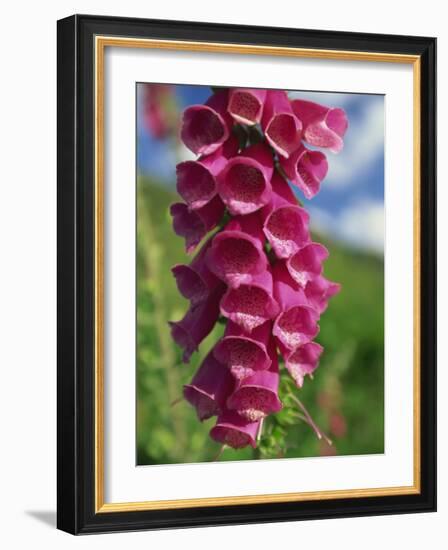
[[246, 274]]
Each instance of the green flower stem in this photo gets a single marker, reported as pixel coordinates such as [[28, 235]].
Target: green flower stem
[[307, 417], [167, 355]]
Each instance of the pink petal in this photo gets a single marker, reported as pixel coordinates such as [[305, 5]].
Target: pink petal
[[195, 281], [244, 354], [232, 430], [282, 194], [155, 114], [297, 322], [283, 130], [306, 264], [193, 225], [306, 169], [206, 127], [286, 223], [257, 396], [237, 254], [287, 230], [250, 305], [318, 292], [246, 105], [322, 126], [196, 179], [210, 388], [250, 224], [244, 184], [197, 323], [302, 361]]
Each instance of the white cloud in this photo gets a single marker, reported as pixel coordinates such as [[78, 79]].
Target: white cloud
[[332, 99], [361, 224], [363, 144], [183, 153], [321, 220]]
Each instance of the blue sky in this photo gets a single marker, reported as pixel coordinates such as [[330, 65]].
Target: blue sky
[[350, 205]]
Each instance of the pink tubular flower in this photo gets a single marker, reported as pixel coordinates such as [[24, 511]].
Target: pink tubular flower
[[286, 223], [237, 254], [195, 281], [193, 225], [322, 126], [257, 396], [302, 361], [297, 322], [261, 271], [283, 130], [246, 105], [243, 354], [233, 430], [306, 169], [251, 305], [206, 127], [196, 179], [197, 323], [210, 388], [155, 113], [306, 264], [244, 184], [338, 424], [318, 292]]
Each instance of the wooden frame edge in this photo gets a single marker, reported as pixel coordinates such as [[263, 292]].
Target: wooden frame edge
[[100, 43]]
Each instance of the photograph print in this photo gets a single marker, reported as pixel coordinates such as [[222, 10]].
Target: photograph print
[[260, 274]]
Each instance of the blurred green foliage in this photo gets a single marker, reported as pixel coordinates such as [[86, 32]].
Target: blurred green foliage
[[345, 398]]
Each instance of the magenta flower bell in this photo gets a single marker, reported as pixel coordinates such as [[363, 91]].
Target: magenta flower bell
[[195, 281], [306, 264], [251, 305], [297, 322], [322, 126], [244, 354], [233, 430], [245, 183], [282, 128], [193, 225], [156, 116], [286, 223], [319, 291], [257, 396], [210, 388], [246, 105], [259, 270], [196, 179], [236, 254], [206, 127], [306, 169], [302, 361], [197, 323]]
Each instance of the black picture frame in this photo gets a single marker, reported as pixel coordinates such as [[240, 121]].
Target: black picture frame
[[76, 397]]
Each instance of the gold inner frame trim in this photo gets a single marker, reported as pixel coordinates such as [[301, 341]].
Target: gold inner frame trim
[[101, 42]]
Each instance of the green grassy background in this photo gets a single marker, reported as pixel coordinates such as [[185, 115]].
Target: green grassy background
[[345, 398]]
